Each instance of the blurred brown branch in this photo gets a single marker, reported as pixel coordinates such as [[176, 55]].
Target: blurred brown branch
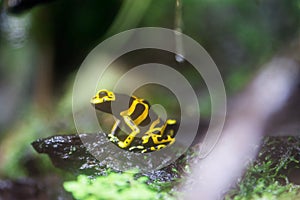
[[18, 6]]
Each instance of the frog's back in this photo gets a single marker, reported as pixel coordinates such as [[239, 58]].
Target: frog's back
[[138, 109]]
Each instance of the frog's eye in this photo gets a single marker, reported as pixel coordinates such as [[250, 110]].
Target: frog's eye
[[102, 94], [111, 96]]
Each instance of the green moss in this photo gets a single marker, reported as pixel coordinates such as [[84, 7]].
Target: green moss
[[265, 180], [114, 186]]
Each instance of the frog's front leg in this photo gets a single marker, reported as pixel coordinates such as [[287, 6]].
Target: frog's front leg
[[134, 131], [112, 134]]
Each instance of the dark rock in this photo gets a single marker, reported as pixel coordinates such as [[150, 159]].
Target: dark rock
[[70, 153]]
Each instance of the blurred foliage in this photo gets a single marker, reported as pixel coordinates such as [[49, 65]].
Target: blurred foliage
[[114, 186], [18, 158]]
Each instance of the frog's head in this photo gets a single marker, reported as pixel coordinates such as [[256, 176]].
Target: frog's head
[[103, 99]]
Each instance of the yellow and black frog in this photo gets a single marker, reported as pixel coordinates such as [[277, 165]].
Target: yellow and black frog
[[137, 128]]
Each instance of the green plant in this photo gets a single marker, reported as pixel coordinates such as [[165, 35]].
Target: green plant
[[114, 186]]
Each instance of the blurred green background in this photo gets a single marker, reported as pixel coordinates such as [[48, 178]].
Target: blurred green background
[[42, 48]]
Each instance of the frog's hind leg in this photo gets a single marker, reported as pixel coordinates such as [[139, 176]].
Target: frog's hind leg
[[159, 137], [159, 142], [161, 134], [169, 129], [134, 131]]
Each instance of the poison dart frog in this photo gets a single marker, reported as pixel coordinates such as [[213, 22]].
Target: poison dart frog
[[136, 128]]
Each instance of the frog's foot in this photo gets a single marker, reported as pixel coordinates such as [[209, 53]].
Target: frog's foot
[[113, 138], [136, 148], [154, 148], [158, 139]]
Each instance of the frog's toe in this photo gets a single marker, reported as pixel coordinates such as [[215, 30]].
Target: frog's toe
[[113, 138], [154, 148]]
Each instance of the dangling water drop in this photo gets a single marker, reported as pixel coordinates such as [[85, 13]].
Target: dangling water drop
[[179, 57]]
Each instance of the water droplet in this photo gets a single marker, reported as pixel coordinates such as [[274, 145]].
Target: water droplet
[[179, 58]]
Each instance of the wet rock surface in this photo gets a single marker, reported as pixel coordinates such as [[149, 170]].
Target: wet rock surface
[[68, 152]]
